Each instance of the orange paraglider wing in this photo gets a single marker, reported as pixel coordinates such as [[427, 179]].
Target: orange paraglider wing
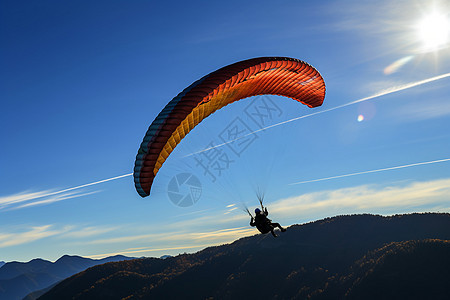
[[282, 76]]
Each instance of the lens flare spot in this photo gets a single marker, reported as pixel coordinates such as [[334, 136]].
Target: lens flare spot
[[360, 118], [396, 65]]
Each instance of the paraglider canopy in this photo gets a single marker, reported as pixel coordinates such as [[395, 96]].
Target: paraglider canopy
[[282, 76]]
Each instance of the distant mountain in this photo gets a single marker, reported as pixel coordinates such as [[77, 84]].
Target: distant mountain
[[18, 279], [165, 256], [345, 257], [2, 263]]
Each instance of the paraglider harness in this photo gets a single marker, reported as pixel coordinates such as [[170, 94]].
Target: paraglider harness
[[261, 221]]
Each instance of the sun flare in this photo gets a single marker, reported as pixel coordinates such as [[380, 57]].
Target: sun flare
[[433, 31]]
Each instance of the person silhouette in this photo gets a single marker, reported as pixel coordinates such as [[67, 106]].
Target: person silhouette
[[264, 224]]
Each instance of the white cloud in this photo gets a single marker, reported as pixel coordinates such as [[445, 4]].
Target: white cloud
[[87, 232], [192, 241], [30, 199], [53, 199], [133, 238], [29, 235], [395, 198], [433, 109], [191, 234], [185, 236], [415, 196], [19, 200], [375, 18], [146, 250], [6, 201]]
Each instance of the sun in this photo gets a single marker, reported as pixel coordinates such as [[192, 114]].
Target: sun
[[433, 31]]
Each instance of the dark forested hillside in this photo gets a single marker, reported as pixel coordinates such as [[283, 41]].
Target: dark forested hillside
[[358, 257], [399, 270]]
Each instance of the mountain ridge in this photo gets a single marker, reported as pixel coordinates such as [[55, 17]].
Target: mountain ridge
[[307, 261], [17, 279]]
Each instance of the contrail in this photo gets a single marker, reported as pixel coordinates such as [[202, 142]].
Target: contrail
[[30, 197], [83, 186], [89, 184], [380, 94], [374, 171]]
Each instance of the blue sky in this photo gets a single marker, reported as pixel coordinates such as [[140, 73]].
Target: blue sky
[[82, 81]]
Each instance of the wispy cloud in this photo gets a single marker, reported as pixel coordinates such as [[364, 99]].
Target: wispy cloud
[[54, 199], [146, 250], [415, 196], [400, 197], [375, 171], [433, 109], [29, 235], [6, 201], [77, 232], [184, 241], [30, 198], [384, 92], [181, 236], [220, 235], [151, 237], [373, 18], [190, 235]]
